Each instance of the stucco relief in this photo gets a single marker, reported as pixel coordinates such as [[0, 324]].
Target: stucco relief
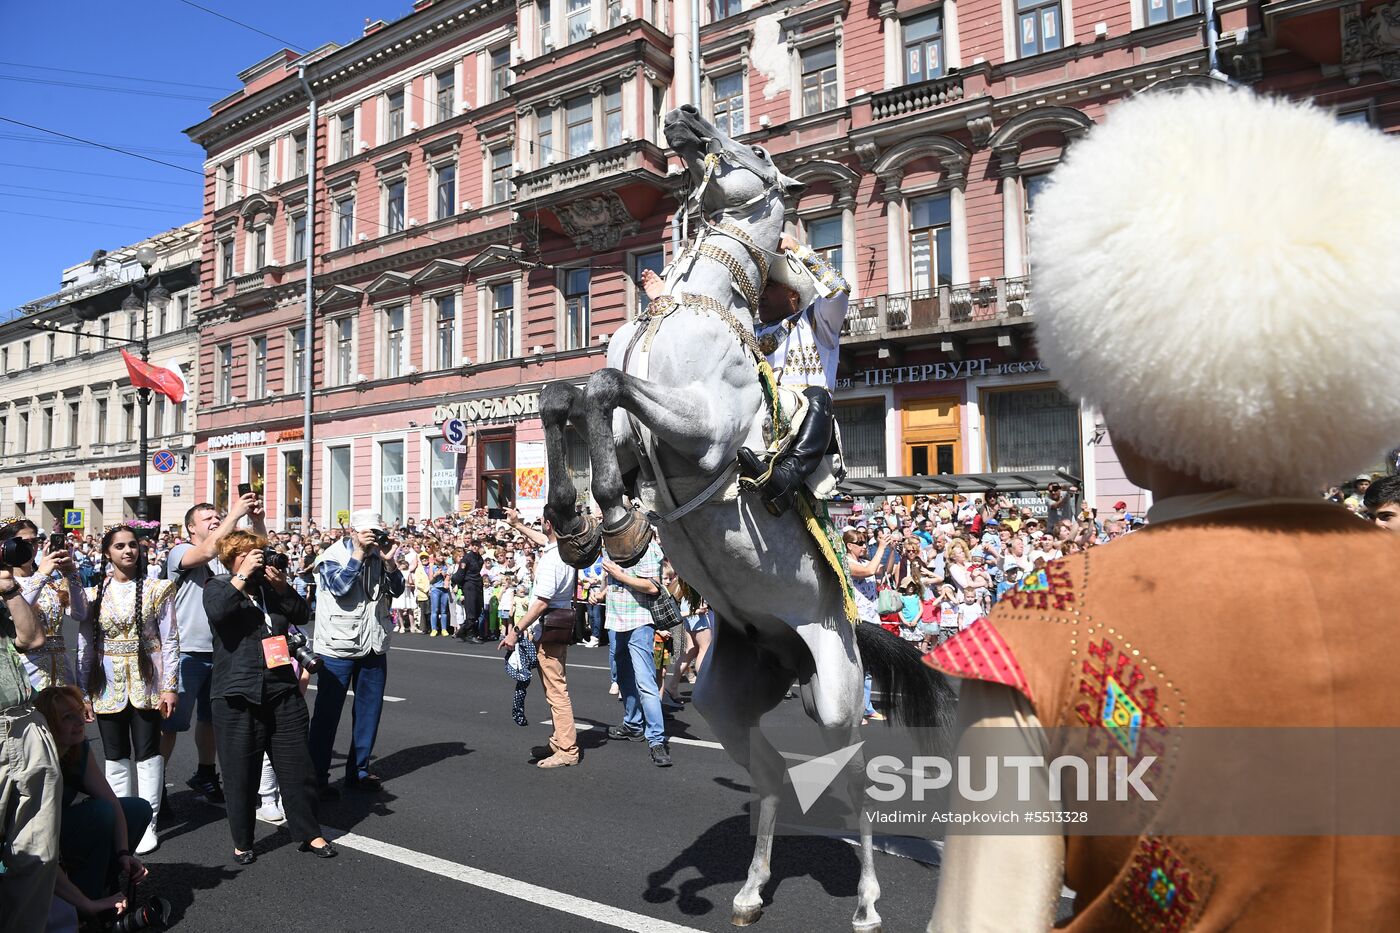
[[599, 222]]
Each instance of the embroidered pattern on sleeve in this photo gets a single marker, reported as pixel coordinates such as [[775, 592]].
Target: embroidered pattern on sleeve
[[979, 652]]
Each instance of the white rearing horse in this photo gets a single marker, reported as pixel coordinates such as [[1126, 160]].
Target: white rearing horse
[[689, 393]]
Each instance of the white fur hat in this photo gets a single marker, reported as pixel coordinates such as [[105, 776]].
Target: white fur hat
[[1219, 273]]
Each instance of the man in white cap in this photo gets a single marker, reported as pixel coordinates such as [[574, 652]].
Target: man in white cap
[[358, 581], [1202, 262]]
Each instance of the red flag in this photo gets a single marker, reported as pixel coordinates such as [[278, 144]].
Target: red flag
[[167, 382]]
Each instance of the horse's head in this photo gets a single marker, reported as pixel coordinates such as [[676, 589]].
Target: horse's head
[[744, 175]]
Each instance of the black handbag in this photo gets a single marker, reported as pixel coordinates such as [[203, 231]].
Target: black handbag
[[665, 611]]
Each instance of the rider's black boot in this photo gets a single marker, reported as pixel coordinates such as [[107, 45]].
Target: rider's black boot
[[807, 449]]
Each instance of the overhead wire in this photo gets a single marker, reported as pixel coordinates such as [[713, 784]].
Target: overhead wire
[[74, 171], [135, 92], [236, 22], [104, 74]]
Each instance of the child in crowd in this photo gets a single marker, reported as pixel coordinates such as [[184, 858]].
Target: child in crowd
[[505, 602], [971, 609], [519, 663], [911, 609], [949, 613]]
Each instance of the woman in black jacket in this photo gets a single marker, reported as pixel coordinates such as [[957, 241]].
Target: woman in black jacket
[[257, 695]]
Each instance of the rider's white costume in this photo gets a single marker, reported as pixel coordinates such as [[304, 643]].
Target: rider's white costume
[[804, 348]]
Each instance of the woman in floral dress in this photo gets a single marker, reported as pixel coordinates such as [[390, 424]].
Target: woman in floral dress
[[128, 667]]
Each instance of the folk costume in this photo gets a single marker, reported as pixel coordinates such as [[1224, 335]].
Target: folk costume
[[53, 597], [803, 349], [125, 698], [1255, 409]]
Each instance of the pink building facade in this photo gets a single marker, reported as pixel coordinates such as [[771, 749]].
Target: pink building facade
[[491, 180]]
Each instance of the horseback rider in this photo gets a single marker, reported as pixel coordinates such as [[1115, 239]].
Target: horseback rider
[[802, 346]]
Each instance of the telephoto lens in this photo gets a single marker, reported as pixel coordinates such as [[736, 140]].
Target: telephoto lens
[[301, 650], [16, 552], [274, 558]]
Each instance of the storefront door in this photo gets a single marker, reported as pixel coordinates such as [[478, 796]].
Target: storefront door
[[932, 436]]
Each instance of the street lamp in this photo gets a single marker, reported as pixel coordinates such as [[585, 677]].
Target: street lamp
[[145, 294]]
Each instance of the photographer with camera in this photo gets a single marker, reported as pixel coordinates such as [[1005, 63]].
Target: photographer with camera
[[50, 583], [358, 581], [257, 694], [192, 565]]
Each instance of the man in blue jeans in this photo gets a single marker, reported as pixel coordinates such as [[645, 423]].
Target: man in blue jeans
[[633, 638], [358, 581]]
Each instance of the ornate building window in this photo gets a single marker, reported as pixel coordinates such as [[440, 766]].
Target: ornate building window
[[923, 48]]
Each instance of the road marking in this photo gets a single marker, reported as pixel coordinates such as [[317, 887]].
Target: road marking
[[512, 887], [490, 657], [350, 693]]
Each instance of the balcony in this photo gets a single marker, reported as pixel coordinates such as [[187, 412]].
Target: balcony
[[946, 309], [247, 283], [914, 98], [635, 160]]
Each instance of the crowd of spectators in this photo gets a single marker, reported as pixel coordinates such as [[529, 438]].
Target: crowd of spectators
[[925, 567]]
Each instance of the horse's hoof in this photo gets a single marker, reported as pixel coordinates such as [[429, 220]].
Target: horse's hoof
[[628, 541], [743, 916], [875, 927], [581, 548]]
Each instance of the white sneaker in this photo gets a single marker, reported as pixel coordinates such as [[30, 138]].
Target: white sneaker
[[613, 689], [271, 811], [589, 643]]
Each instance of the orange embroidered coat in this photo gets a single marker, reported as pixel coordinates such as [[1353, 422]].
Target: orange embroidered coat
[[1255, 617]]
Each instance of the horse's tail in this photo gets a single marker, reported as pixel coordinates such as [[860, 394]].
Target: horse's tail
[[918, 695]]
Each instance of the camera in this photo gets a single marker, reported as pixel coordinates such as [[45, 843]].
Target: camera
[[154, 916], [274, 558], [301, 650], [382, 539], [16, 552]]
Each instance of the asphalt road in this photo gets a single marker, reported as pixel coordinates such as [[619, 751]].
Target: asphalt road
[[468, 835]]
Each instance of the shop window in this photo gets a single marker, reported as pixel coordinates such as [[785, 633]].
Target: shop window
[[255, 472], [496, 470], [391, 482], [338, 489], [443, 500], [220, 493], [291, 486], [1032, 429], [862, 427]]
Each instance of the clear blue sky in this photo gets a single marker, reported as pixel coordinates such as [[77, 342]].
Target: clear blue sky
[[91, 198]]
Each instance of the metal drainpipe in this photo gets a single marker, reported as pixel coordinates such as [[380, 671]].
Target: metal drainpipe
[[308, 355], [695, 92]]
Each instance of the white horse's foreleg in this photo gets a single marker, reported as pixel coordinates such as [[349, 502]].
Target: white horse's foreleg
[[737, 685], [834, 697]]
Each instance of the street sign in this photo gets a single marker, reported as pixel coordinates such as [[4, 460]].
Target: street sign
[[454, 448], [176, 491], [163, 461], [454, 431], [74, 518]]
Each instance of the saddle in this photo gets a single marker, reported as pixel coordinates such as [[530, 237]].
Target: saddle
[[831, 470]]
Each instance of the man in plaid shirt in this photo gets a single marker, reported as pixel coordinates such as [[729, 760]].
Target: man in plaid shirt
[[633, 638]]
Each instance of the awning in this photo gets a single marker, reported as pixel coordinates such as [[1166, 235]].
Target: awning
[[964, 483]]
